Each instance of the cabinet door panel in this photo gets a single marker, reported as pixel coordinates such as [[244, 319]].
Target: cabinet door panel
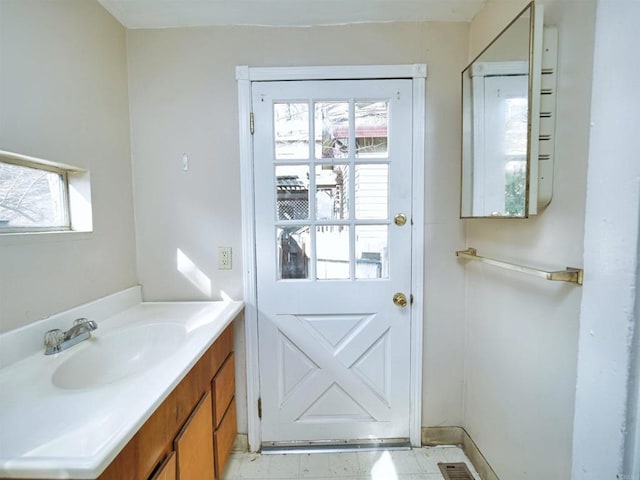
[[224, 438], [167, 470], [194, 445], [224, 388]]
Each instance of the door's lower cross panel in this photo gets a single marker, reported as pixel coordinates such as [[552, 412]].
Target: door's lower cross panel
[[333, 368]]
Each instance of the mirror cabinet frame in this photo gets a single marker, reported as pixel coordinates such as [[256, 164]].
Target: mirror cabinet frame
[[534, 62]]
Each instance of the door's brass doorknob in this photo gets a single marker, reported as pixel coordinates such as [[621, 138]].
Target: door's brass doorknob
[[400, 299], [400, 219]]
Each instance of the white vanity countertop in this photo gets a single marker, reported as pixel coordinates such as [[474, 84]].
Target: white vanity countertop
[[49, 432]]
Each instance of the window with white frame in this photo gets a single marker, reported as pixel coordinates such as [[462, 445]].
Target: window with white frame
[[35, 194]]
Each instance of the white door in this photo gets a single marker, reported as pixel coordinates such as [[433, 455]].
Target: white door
[[332, 166]]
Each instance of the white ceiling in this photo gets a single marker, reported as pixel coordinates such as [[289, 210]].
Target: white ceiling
[[189, 13]]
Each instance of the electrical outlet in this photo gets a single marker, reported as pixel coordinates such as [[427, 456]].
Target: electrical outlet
[[224, 258]]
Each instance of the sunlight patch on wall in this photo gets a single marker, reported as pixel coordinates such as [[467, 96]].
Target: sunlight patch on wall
[[192, 273], [225, 296]]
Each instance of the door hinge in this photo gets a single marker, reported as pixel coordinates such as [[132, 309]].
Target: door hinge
[[260, 408], [252, 125]]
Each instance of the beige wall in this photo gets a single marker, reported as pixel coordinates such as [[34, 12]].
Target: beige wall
[[184, 99], [521, 332], [63, 97]]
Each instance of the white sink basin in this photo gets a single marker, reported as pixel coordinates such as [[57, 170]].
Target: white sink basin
[[118, 355]]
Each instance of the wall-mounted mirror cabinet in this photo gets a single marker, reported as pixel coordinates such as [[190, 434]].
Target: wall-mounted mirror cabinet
[[501, 94]]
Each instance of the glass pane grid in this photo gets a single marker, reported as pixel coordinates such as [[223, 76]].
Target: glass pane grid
[[346, 221], [318, 223]]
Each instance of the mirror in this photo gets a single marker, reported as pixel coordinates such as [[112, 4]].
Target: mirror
[[497, 124]]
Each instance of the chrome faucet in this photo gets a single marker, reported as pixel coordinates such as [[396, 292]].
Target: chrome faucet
[[56, 340]]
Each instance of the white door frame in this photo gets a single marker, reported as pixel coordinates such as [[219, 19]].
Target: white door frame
[[244, 76]]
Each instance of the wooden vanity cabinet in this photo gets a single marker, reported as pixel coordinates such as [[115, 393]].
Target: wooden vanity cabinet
[[186, 422]]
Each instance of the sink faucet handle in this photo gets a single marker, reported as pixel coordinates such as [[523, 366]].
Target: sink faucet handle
[[53, 338], [78, 321]]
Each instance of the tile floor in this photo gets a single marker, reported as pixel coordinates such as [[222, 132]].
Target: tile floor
[[420, 463]]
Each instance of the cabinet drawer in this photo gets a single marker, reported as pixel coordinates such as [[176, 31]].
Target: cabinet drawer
[[224, 389], [219, 354], [225, 436]]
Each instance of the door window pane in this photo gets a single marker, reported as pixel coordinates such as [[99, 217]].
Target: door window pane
[[332, 129], [372, 249], [372, 121], [332, 252], [332, 192], [292, 244], [292, 192], [291, 130], [372, 191]]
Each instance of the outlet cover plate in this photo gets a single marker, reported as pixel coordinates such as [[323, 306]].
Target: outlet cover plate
[[224, 258]]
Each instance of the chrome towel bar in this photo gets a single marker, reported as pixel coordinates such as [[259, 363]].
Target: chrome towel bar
[[571, 275]]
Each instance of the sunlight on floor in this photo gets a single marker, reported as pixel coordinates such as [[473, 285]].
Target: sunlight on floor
[[383, 468]]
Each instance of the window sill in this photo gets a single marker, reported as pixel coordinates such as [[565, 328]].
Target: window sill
[[34, 238]]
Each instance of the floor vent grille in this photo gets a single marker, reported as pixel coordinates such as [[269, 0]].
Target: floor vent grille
[[455, 471]]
